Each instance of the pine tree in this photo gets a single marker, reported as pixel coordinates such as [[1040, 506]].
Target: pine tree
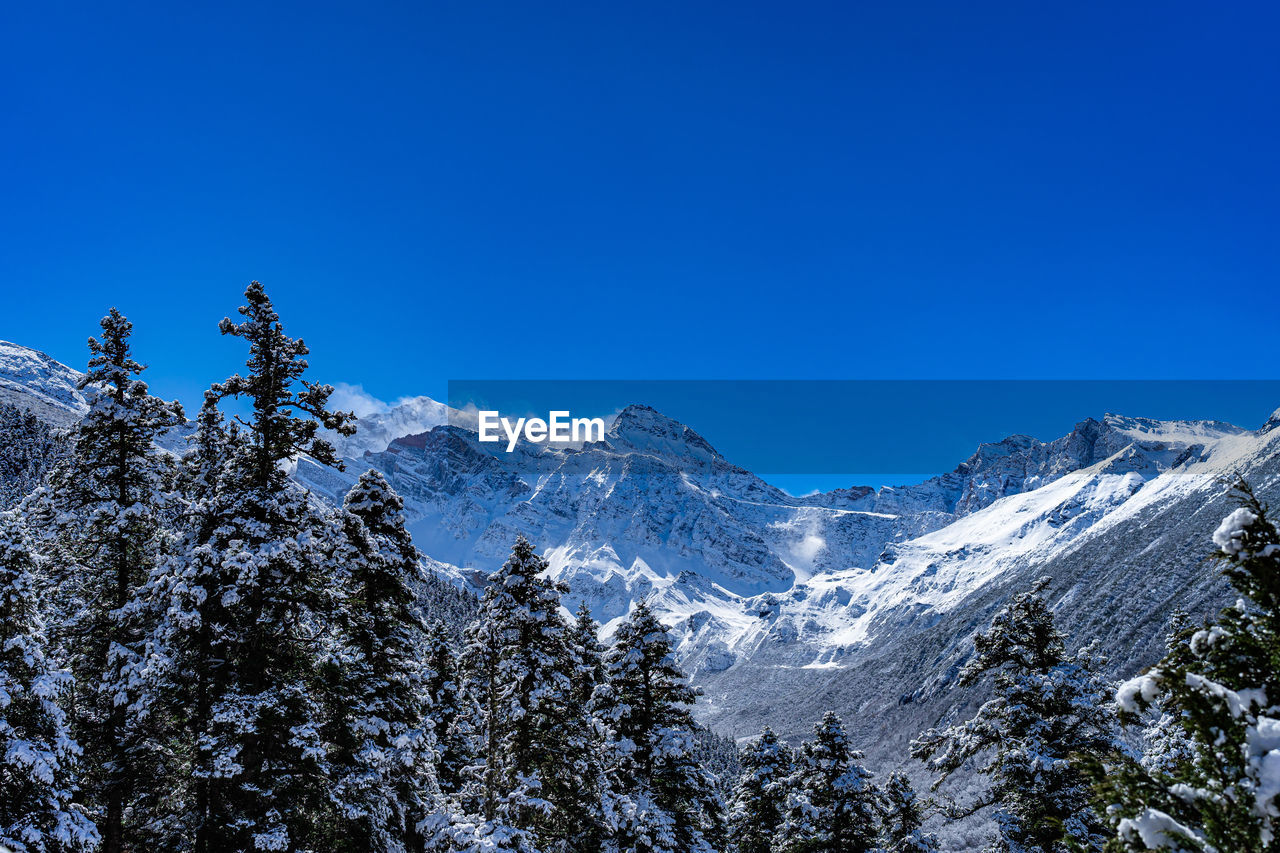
[[29, 449], [385, 758], [588, 798], [760, 797], [187, 644], [832, 806], [1210, 778], [588, 654], [901, 819], [38, 756], [670, 802], [521, 668], [249, 600], [108, 502], [1049, 712], [479, 795], [285, 421], [445, 711]]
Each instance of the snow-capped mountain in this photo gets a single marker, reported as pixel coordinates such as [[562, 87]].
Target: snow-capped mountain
[[381, 424], [1126, 540], [782, 603], [29, 379], [859, 600]]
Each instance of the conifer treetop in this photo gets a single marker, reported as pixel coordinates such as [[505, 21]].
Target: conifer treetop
[[1022, 636], [276, 362], [122, 415]]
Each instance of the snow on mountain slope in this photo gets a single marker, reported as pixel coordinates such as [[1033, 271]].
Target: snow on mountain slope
[[753, 579], [29, 379], [1127, 542], [939, 569], [859, 600], [377, 427], [650, 508]]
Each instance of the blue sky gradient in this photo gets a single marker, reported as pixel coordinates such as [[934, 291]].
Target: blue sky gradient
[[659, 190]]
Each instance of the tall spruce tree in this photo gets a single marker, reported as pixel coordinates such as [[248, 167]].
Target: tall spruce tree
[[521, 668], [1049, 713], [832, 806], [670, 804], [38, 755], [249, 602], [1210, 779], [589, 800], [187, 644], [107, 504], [385, 754], [584, 640], [445, 711], [902, 817], [479, 815], [760, 796]]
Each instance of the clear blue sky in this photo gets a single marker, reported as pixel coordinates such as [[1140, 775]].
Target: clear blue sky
[[650, 190]]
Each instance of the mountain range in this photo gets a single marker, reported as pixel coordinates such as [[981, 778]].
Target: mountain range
[[859, 600]]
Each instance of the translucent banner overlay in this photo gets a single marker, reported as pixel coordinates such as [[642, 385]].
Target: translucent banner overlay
[[827, 433]]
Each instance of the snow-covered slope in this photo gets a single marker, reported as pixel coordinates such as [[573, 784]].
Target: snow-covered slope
[[1126, 541], [859, 600], [772, 595], [29, 379], [653, 510], [378, 428]]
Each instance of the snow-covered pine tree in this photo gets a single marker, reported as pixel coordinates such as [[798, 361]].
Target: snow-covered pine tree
[[670, 802], [584, 640], [189, 666], [1050, 713], [445, 711], [588, 808], [440, 600], [901, 817], [760, 797], [38, 756], [480, 792], [478, 819], [29, 449], [832, 805], [384, 756], [1210, 780], [249, 602], [107, 501], [520, 667]]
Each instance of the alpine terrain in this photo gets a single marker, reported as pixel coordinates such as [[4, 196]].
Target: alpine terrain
[[865, 602]]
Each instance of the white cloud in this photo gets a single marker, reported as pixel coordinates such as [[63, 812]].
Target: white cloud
[[353, 398]]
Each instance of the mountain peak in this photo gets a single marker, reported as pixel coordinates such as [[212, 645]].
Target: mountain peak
[[1272, 422], [377, 428], [1170, 432], [645, 428], [30, 379]]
